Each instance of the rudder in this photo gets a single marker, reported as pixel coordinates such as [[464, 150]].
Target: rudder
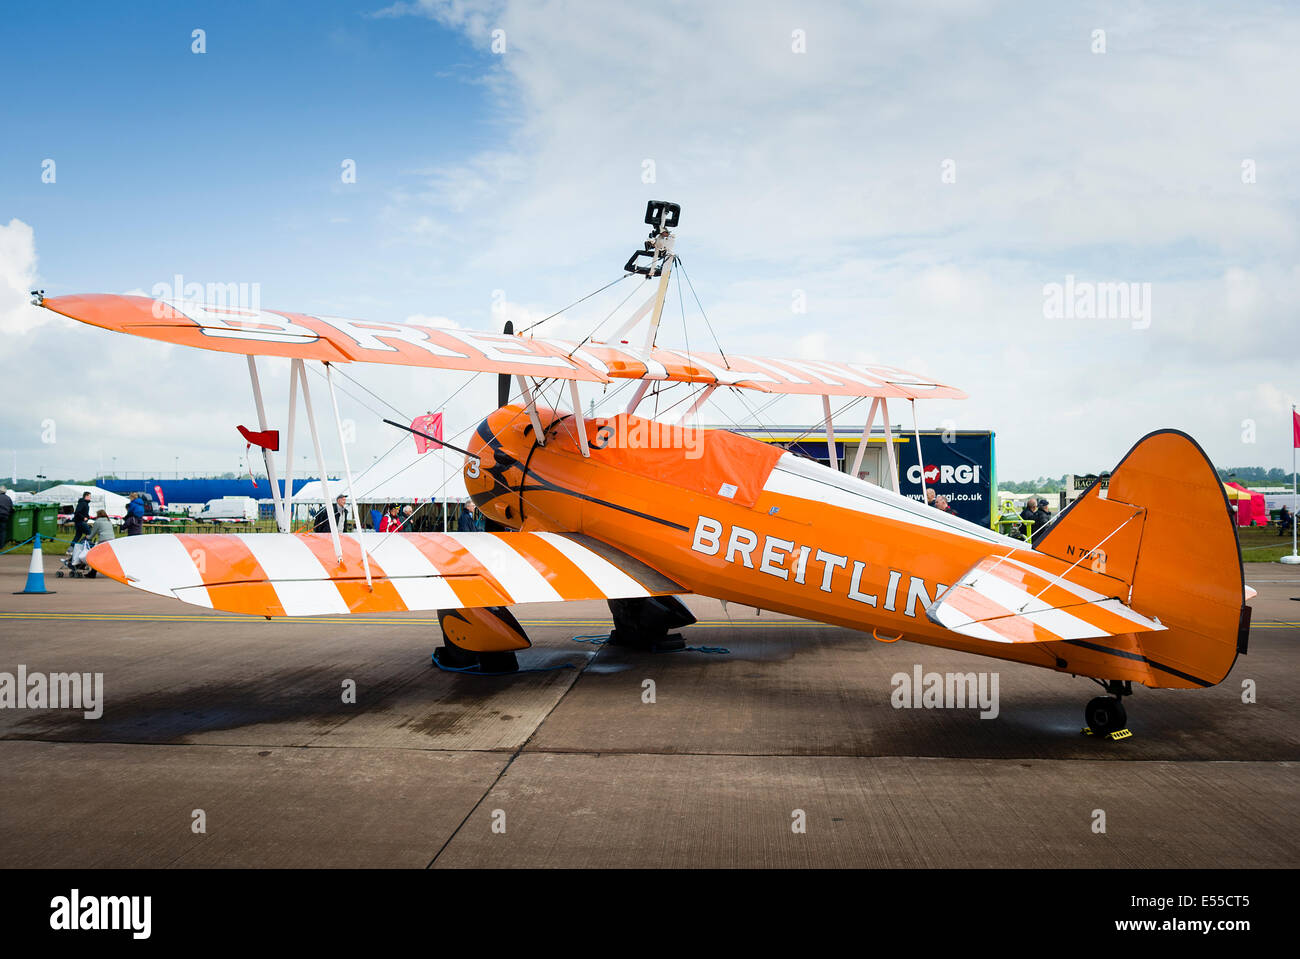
[[1164, 528]]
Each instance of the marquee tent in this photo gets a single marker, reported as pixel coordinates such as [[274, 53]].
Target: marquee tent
[[67, 494], [1251, 510]]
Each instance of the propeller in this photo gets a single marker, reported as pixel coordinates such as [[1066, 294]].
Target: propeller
[[503, 379]]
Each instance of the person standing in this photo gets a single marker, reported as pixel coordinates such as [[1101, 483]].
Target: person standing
[[321, 521], [6, 513], [1042, 516], [81, 518], [134, 521], [100, 532]]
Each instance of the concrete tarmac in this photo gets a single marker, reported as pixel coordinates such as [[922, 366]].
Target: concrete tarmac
[[784, 750]]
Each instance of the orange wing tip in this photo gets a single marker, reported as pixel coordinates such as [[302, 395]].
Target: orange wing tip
[[102, 559]]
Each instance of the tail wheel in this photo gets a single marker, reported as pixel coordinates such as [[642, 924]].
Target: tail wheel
[[1105, 715]]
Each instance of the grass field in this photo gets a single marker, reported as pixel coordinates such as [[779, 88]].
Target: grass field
[[1264, 545], [1257, 545]]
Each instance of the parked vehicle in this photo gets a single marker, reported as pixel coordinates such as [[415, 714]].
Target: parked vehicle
[[242, 508]]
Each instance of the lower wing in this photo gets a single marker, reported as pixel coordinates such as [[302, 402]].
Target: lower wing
[[287, 574]]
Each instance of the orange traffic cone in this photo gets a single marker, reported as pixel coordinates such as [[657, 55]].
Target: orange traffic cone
[[35, 571]]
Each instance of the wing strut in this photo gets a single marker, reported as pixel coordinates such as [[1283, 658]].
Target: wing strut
[[288, 450], [832, 452], [889, 443], [866, 436], [320, 461], [879, 403], [578, 420], [347, 474], [531, 403], [916, 431], [642, 388], [267, 456], [700, 399]]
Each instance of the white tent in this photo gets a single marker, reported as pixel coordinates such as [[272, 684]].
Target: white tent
[[67, 494], [407, 477]]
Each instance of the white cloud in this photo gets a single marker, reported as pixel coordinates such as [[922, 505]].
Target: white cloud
[[818, 172], [17, 279], [821, 171]]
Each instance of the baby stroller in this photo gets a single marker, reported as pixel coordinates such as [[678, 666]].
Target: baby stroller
[[74, 561]]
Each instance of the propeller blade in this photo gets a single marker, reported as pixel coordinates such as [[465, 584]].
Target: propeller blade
[[503, 379]]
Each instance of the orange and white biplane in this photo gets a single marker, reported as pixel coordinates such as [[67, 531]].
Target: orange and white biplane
[[1140, 582]]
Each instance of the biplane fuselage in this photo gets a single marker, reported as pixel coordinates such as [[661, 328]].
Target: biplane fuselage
[[732, 518]]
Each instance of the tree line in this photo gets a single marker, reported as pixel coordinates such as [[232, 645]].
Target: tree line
[[1245, 475]]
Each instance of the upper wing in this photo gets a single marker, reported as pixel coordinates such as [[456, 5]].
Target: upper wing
[[336, 340], [309, 337], [1025, 598], [285, 574]]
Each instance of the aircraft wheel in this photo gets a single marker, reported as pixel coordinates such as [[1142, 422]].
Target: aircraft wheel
[[1105, 715]]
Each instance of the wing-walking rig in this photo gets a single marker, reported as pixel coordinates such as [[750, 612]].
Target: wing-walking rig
[[1139, 582]]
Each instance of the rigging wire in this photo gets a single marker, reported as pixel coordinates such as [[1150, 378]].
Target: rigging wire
[[371, 392], [678, 260], [574, 303], [583, 341]]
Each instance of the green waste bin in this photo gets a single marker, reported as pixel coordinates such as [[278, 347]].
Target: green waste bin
[[21, 523], [46, 520]]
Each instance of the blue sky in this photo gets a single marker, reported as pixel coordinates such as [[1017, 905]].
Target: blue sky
[[227, 163], [519, 177]]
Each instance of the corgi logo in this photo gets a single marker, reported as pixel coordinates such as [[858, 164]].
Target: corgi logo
[[964, 474]]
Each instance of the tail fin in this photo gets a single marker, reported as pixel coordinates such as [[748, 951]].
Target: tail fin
[[1164, 530]]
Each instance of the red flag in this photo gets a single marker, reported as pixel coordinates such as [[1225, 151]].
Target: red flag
[[267, 439], [430, 423], [158, 490], [1295, 430]]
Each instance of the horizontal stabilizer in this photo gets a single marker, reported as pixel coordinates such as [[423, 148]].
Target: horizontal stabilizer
[[1026, 597], [285, 574]]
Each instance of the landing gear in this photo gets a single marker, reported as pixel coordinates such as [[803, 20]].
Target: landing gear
[[458, 657], [1105, 715], [483, 640], [645, 623]]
